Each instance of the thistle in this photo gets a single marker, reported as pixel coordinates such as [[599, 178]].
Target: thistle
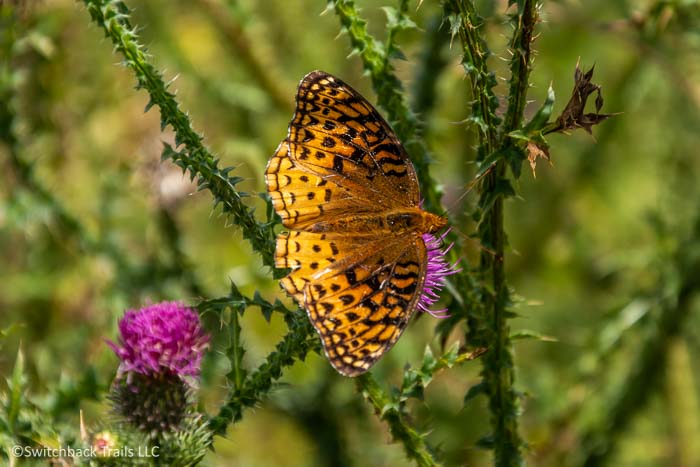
[[436, 275], [161, 339], [160, 348]]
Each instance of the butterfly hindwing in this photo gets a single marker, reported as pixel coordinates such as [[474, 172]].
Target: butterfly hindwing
[[359, 292], [368, 317]]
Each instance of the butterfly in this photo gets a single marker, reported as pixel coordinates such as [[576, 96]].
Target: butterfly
[[344, 186]]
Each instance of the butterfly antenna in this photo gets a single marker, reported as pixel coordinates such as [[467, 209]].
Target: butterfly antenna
[[469, 188]]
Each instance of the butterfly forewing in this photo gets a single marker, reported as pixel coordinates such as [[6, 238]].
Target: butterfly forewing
[[301, 196], [336, 133]]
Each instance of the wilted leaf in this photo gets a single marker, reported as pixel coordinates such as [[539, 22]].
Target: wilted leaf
[[536, 151], [573, 116]]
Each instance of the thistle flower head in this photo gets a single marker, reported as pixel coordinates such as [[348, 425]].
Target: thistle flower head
[[435, 278], [164, 338]]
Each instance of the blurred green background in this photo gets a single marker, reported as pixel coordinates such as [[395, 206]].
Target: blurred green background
[[92, 224]]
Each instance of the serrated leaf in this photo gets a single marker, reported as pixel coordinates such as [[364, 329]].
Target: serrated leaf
[[392, 15], [235, 181], [504, 188], [397, 54], [148, 106], [168, 151], [428, 357], [455, 24], [519, 135], [478, 120], [573, 116], [450, 357]]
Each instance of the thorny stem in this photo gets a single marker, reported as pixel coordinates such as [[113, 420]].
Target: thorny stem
[[112, 16], [520, 65], [498, 366], [475, 54], [414, 444]]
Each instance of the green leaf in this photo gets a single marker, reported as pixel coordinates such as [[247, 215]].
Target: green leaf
[[429, 361], [450, 357], [478, 121], [515, 156], [530, 334], [16, 385], [543, 114], [397, 20], [503, 188], [391, 406], [490, 161]]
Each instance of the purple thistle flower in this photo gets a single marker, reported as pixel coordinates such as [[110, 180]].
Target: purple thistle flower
[[435, 277], [164, 338]]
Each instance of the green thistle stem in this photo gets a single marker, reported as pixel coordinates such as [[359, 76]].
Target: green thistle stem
[[387, 409], [466, 23], [493, 329]]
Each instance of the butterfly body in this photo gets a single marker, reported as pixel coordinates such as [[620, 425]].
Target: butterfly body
[[399, 221], [344, 186]]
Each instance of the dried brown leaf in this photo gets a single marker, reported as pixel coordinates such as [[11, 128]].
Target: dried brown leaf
[[573, 116], [536, 151]]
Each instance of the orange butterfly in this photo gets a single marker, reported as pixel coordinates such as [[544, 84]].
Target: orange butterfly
[[360, 247]]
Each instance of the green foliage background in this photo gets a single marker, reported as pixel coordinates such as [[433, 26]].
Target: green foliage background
[[604, 243]]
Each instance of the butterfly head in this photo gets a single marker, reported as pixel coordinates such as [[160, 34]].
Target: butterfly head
[[433, 223]]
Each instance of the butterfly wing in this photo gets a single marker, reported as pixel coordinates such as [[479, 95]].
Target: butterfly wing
[[303, 197], [336, 132], [359, 292]]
